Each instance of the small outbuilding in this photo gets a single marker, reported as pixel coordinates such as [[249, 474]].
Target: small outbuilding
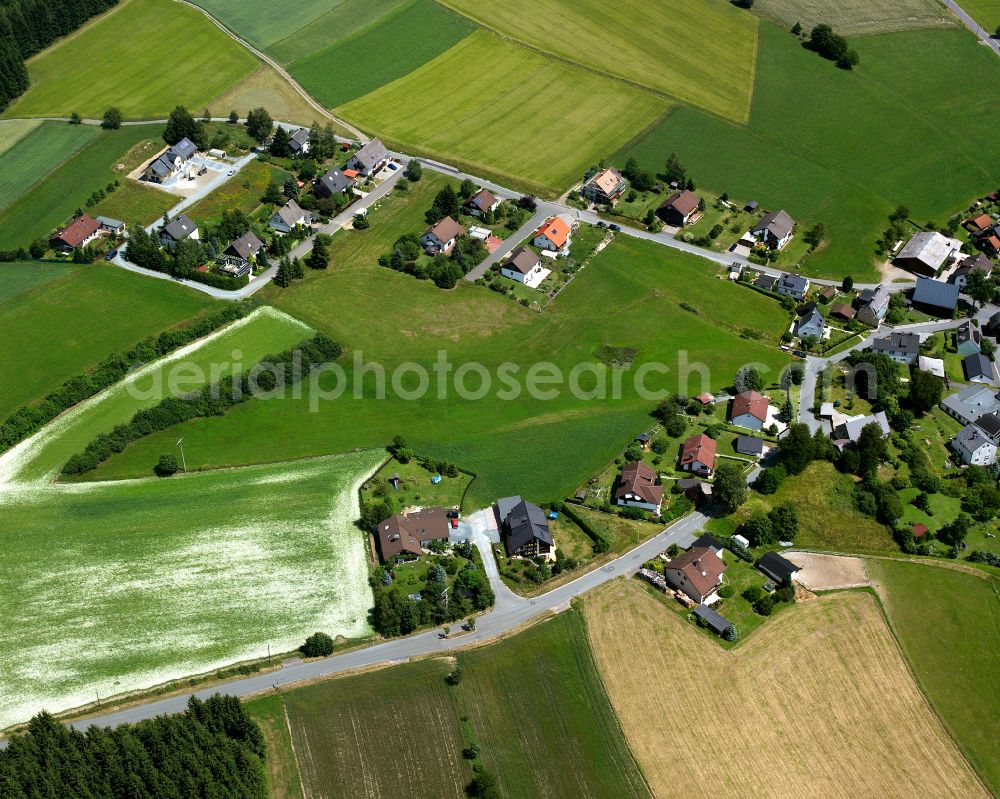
[[777, 567]]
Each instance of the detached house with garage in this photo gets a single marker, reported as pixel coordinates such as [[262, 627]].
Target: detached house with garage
[[411, 533], [179, 228], [605, 187], [794, 286], [333, 182], [441, 236], [524, 529], [289, 217], [774, 229], [679, 209], [638, 488], [698, 455], [369, 159], [482, 202], [170, 161], [554, 236], [525, 266], [696, 573], [78, 233], [749, 410], [901, 347], [299, 142]]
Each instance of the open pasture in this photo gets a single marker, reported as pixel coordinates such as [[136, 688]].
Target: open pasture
[[143, 56], [919, 134], [701, 52], [13, 130], [985, 12], [856, 17], [266, 88], [18, 277], [502, 110], [33, 157], [818, 703]]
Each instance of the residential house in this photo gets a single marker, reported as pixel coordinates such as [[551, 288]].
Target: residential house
[[524, 266], [970, 403], [936, 296], [78, 233], [989, 424], [968, 339], [289, 217], [872, 305], [698, 455], [333, 182], [843, 311], [441, 236], [749, 410], [750, 445], [710, 541], [794, 286], [827, 295], [245, 247], [170, 161], [410, 533], [927, 251], [850, 429], [774, 229], [973, 447], [811, 323], [555, 235], [643, 440], [523, 528], [974, 263], [766, 282], [977, 224], [679, 208], [179, 228], [901, 347], [716, 622], [369, 159], [933, 365], [605, 187], [638, 488], [778, 568], [978, 368], [114, 227], [696, 573], [990, 242], [298, 141], [482, 202]]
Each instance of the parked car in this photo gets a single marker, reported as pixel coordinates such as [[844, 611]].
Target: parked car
[[451, 514], [110, 256], [231, 172], [614, 228], [454, 524], [393, 166], [602, 223]]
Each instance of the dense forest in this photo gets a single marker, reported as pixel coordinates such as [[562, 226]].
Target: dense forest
[[29, 26], [212, 751]]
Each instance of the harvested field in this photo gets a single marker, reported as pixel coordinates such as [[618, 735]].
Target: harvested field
[[856, 17], [266, 88], [826, 572], [819, 703]]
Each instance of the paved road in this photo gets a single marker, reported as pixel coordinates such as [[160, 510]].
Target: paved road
[[509, 244], [510, 612], [984, 36]]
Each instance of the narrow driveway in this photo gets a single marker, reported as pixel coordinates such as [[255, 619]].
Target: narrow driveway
[[508, 245]]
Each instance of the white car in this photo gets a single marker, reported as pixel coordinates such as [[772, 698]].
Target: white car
[[231, 172]]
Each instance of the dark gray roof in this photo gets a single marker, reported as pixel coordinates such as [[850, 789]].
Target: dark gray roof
[[936, 293], [795, 282], [989, 423], [716, 622], [967, 332], [299, 139], [977, 365], [107, 221], [813, 317], [877, 297], [524, 522], [749, 445], [707, 540], [972, 402], [778, 223], [180, 227], [765, 281], [371, 154], [776, 566], [896, 342], [162, 166], [336, 181], [971, 438], [184, 149], [246, 245], [975, 263]]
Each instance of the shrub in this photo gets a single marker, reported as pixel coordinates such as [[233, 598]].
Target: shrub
[[764, 606], [754, 594], [317, 645], [726, 591], [454, 677], [166, 466], [730, 633]]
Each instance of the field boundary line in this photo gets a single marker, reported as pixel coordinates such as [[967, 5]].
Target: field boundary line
[[291, 743], [69, 157], [875, 591]]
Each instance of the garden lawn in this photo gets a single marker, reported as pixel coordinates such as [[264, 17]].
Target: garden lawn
[[13, 130], [629, 295], [499, 109], [144, 56], [242, 193], [857, 17], [51, 203], [135, 203], [356, 66], [110, 588], [416, 488], [948, 624], [342, 20], [33, 157], [75, 317], [699, 51], [920, 134]]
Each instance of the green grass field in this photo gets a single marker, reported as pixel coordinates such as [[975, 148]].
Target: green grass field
[[356, 66], [805, 157], [115, 587], [38, 154], [13, 130], [144, 56], [52, 202], [135, 203], [535, 705], [341, 20], [985, 12], [73, 317], [262, 23], [628, 296], [948, 624], [502, 110], [701, 52], [856, 17]]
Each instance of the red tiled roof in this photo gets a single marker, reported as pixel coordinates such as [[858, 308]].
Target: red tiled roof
[[638, 478], [750, 402], [78, 231], [699, 448], [919, 530], [705, 398], [701, 566], [555, 230], [980, 222]]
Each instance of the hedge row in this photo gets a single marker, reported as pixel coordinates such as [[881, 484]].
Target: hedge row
[[28, 419], [213, 400], [601, 544]]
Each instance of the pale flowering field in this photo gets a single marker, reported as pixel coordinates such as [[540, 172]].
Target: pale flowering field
[[107, 587]]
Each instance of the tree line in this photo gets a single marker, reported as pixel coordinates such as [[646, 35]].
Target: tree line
[[28, 27], [29, 418], [273, 371], [214, 749]]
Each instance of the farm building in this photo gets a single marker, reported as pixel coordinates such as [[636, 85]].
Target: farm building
[[523, 528], [935, 296], [778, 568], [638, 487], [970, 403], [927, 251]]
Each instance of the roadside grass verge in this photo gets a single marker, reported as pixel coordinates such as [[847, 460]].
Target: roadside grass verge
[[355, 66], [825, 675], [802, 156], [503, 110], [948, 624], [33, 157], [163, 54], [698, 51]]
